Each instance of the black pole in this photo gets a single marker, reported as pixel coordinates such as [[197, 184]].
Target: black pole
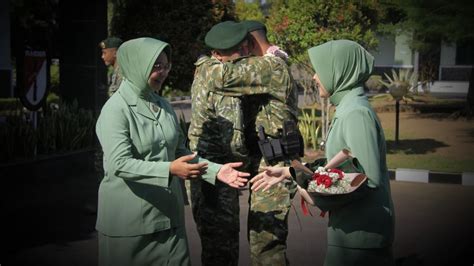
[[397, 114]]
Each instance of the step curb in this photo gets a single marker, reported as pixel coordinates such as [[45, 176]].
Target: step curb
[[399, 174], [427, 176]]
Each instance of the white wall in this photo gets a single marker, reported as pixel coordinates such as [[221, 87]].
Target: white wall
[[393, 51], [384, 54], [448, 54], [403, 54]]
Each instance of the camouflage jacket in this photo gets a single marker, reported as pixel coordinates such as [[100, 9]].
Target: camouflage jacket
[[267, 79], [271, 97], [216, 131], [114, 81]]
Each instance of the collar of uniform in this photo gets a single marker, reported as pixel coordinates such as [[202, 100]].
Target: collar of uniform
[[202, 59], [132, 99], [155, 104], [128, 94], [238, 58]]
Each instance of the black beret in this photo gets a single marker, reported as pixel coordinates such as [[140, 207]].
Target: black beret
[[253, 25], [111, 42]]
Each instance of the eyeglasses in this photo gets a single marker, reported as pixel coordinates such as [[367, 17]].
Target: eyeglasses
[[161, 67]]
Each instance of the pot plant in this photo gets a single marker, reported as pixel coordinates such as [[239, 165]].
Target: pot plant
[[399, 86]]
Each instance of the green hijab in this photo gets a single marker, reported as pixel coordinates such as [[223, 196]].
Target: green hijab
[[341, 65], [136, 58]]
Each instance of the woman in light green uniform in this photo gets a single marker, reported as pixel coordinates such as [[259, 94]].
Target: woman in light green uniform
[[140, 207], [361, 224]]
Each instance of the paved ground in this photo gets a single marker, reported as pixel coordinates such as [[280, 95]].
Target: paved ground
[[50, 222]]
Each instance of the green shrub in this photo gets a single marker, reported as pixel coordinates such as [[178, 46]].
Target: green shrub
[[169, 92], [65, 127], [309, 125], [54, 76], [10, 107], [52, 98]]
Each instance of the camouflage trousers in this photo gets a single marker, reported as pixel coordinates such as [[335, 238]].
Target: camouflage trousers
[[268, 224], [216, 213]]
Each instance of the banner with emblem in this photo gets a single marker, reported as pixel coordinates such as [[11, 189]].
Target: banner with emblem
[[34, 79]]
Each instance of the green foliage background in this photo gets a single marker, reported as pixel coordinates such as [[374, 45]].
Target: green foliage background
[[299, 25], [181, 23], [249, 10], [61, 127]]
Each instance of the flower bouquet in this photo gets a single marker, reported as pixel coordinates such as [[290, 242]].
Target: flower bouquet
[[340, 176]]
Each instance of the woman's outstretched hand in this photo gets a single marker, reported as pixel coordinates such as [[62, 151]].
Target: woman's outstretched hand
[[227, 174], [185, 170], [270, 176]]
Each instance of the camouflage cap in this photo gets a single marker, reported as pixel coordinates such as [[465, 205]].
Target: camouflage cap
[[111, 42], [253, 25], [225, 35]]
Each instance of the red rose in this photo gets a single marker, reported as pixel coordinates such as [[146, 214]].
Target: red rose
[[324, 179], [338, 172], [327, 182], [315, 176], [321, 179]]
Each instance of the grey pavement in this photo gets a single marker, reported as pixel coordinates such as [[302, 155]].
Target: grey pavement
[[434, 226], [51, 222]]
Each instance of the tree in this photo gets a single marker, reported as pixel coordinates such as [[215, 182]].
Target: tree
[[249, 10], [181, 23], [298, 25], [34, 24], [433, 21]]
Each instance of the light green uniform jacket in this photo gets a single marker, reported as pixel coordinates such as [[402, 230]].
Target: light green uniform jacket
[[362, 220], [140, 139]]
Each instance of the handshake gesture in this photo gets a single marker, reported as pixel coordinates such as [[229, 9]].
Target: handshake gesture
[[270, 176], [183, 168]]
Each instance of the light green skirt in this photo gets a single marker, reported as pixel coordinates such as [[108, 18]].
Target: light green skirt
[[169, 247]]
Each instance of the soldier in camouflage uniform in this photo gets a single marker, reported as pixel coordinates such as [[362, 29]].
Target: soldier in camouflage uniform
[[109, 48], [275, 101], [216, 133]]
